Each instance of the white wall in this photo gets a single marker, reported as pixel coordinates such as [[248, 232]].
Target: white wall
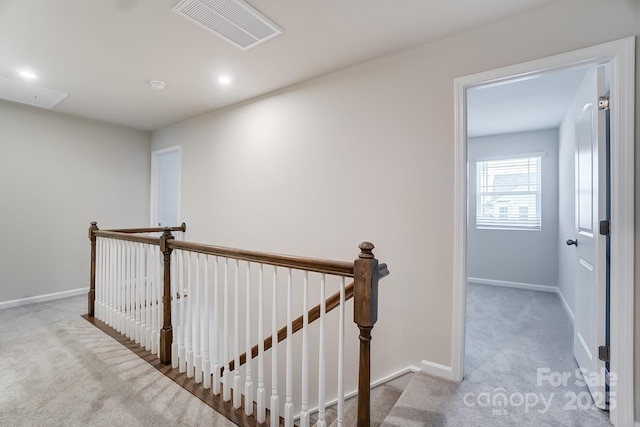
[[366, 153], [58, 174], [521, 256]]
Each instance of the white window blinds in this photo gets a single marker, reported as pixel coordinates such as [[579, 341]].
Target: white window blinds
[[509, 193]]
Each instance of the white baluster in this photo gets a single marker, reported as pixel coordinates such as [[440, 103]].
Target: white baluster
[[148, 298], [198, 339], [248, 384], [304, 410], [321, 360], [189, 325], [288, 406], [98, 280], [143, 296], [275, 399], [115, 308], [155, 300], [131, 289], [125, 290], [261, 392], [138, 256], [107, 282], [226, 379], [236, 340], [113, 279], [96, 290], [216, 330], [113, 264], [160, 291], [127, 284], [175, 318], [121, 288], [341, 356], [182, 356], [206, 363]]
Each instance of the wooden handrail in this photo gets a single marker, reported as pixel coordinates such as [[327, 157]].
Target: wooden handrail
[[128, 237], [182, 228], [314, 314], [308, 264]]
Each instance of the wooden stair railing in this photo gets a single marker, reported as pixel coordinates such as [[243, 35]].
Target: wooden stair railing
[[314, 314], [365, 271]]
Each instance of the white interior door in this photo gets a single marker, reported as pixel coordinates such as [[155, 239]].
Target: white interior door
[[590, 287], [165, 183]]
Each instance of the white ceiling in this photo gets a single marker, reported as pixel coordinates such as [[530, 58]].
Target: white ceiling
[[537, 101], [104, 52]]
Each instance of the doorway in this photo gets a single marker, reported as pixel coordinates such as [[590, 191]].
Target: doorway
[[165, 187], [620, 55]]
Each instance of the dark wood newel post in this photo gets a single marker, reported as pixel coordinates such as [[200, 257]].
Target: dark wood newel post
[[166, 334], [92, 273], [365, 315]]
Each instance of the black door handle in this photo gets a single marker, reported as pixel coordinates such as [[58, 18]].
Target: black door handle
[[572, 242]]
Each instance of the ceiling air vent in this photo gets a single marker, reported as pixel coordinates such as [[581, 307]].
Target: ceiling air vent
[[233, 20], [17, 91]]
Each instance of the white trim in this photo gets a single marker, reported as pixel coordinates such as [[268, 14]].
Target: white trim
[[153, 214], [408, 370], [437, 370], [566, 306], [517, 285], [622, 228], [527, 286], [42, 298], [621, 55]]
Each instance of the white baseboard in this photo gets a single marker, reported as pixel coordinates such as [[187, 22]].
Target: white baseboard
[[374, 384], [567, 308], [437, 370], [527, 286], [42, 298], [517, 285]]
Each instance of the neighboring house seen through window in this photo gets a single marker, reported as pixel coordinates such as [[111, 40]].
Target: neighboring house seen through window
[[509, 193]]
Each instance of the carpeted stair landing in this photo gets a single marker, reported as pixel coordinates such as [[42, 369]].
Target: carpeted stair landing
[[383, 398]]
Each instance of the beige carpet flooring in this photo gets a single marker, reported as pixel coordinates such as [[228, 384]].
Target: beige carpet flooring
[[56, 369]]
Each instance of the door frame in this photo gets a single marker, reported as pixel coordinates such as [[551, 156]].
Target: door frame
[[621, 55], [153, 199]]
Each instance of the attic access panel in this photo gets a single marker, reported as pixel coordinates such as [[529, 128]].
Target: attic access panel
[[232, 20], [25, 93]]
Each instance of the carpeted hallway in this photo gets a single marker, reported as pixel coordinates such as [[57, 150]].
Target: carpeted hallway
[[511, 334], [56, 369]]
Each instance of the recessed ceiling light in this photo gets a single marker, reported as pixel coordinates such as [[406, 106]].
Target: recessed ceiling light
[[157, 84], [224, 80], [27, 74]]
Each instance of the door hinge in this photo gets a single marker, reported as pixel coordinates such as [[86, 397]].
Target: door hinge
[[604, 353], [605, 228], [603, 102]]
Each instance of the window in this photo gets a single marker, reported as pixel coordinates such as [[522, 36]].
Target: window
[[508, 193]]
